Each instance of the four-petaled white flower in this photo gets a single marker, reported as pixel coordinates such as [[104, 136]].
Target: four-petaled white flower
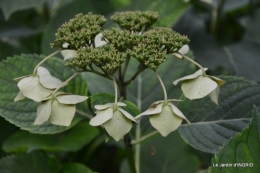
[[116, 120], [59, 109], [164, 116], [197, 86], [37, 87]]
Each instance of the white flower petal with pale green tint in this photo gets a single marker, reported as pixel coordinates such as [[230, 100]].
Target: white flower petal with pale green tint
[[127, 115], [101, 117], [192, 76], [61, 114], [157, 109], [178, 112], [19, 78], [98, 40], [184, 49], [31, 88], [120, 104], [65, 45], [177, 55], [101, 107], [198, 88], [71, 99], [19, 96], [166, 121], [220, 82], [214, 95], [43, 113], [118, 125], [69, 53], [47, 80]]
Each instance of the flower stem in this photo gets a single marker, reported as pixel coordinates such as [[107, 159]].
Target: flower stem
[[42, 61], [63, 84], [134, 142], [194, 62], [114, 80], [163, 87]]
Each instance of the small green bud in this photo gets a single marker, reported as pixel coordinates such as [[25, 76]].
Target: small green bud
[[135, 20]]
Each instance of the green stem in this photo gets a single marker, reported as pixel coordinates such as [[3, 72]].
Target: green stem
[[134, 76], [134, 142], [137, 146], [163, 87], [194, 62], [125, 66], [42, 61], [129, 153], [84, 114], [63, 84], [115, 88]]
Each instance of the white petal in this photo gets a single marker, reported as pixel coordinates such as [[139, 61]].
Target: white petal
[[214, 95], [127, 115], [65, 45], [192, 76], [71, 99], [31, 88], [166, 121], [184, 50], [69, 53], [178, 112], [19, 96], [220, 82], [101, 117], [61, 114], [43, 112], [121, 104], [198, 88], [118, 126], [98, 40], [19, 78], [47, 80], [154, 110], [177, 55], [101, 107]]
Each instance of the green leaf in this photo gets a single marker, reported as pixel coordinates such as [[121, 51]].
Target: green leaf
[[67, 12], [166, 155], [30, 163], [71, 140], [103, 98], [23, 113], [212, 125], [75, 168], [11, 6], [243, 149]]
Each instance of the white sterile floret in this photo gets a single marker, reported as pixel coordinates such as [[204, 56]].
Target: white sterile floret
[[116, 120], [37, 87], [99, 41], [196, 86], [182, 51], [69, 53], [164, 116], [59, 110]]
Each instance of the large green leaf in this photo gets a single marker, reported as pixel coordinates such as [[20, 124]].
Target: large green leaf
[[212, 125], [11, 6], [71, 140], [29, 163], [241, 153], [166, 155], [75, 168], [23, 113], [146, 89], [67, 12]]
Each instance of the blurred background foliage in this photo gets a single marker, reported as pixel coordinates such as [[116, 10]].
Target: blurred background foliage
[[225, 37]]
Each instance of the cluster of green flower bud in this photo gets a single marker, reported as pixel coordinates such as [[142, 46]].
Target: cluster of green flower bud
[[106, 58], [135, 20], [80, 31]]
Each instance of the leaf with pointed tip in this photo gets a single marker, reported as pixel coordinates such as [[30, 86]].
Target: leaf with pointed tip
[[243, 149], [211, 125], [23, 113], [75, 168], [30, 163], [71, 140]]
